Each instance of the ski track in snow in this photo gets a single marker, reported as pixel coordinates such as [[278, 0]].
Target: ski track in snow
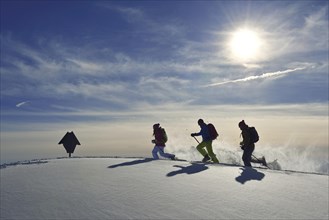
[[142, 188]]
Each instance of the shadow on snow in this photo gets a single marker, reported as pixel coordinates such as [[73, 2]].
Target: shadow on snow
[[191, 169], [130, 163], [248, 174]]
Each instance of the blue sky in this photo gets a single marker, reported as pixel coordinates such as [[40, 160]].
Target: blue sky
[[101, 68]]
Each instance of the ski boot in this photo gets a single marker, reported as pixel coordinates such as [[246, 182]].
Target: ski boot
[[206, 158]]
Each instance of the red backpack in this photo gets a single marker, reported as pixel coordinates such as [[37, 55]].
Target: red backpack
[[212, 131]]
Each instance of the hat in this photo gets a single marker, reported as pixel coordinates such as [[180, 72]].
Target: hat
[[242, 124], [200, 121], [156, 125]]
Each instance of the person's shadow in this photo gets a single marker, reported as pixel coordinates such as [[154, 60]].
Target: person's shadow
[[249, 174], [130, 163], [192, 169]]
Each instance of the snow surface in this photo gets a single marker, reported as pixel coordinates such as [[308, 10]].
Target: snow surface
[[142, 188]]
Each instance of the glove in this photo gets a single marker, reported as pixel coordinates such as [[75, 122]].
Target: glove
[[193, 134], [153, 141]]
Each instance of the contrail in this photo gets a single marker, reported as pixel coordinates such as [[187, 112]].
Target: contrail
[[264, 75], [21, 104]]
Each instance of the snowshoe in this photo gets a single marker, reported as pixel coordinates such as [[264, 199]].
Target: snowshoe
[[173, 157], [177, 159], [263, 161], [206, 158]]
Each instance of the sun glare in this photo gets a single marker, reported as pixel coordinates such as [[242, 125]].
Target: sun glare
[[245, 44]]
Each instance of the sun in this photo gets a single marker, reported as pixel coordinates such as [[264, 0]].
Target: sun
[[245, 44]]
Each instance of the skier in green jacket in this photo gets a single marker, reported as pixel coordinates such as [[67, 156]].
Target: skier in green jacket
[[206, 143]]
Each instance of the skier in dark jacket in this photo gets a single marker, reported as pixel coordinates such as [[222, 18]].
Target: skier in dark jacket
[[206, 143], [160, 139], [248, 146]]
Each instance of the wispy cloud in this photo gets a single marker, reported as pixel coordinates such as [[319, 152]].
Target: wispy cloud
[[22, 104], [263, 76], [85, 66]]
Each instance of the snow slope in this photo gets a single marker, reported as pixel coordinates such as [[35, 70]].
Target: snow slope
[[141, 188]]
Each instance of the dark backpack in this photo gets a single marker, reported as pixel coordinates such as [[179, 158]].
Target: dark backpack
[[212, 131], [164, 135], [253, 135]]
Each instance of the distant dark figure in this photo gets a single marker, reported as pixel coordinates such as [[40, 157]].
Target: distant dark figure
[[206, 143], [250, 137], [160, 139], [70, 141]]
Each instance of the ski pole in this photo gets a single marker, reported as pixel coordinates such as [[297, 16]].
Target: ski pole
[[259, 161], [196, 140], [255, 158]]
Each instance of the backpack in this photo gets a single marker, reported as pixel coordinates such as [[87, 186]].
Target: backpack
[[253, 135], [164, 135], [212, 131]]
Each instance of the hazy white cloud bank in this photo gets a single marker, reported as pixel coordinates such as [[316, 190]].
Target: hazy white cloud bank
[[283, 131]]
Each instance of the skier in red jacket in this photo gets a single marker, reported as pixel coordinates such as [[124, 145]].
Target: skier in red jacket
[[160, 139]]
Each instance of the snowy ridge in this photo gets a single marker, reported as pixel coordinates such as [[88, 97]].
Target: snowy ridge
[[143, 188], [272, 165], [25, 162]]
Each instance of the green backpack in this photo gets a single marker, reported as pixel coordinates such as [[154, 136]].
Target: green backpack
[[164, 135]]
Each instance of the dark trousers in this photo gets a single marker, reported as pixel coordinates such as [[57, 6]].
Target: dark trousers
[[246, 157]]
